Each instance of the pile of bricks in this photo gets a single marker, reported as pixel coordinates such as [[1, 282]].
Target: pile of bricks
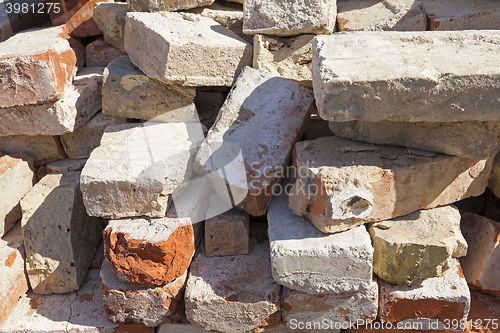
[[248, 166]]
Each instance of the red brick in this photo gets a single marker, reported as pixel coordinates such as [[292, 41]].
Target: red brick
[[36, 66], [100, 53]]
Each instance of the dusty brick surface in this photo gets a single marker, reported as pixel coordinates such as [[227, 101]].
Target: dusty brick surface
[[36, 66], [382, 182], [481, 265], [272, 128]]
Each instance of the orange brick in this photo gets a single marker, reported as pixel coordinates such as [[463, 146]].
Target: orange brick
[[81, 23], [36, 66]]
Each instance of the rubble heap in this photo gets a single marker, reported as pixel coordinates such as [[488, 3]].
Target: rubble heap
[[250, 166]]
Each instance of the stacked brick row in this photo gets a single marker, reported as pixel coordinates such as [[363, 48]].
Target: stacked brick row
[[324, 179]]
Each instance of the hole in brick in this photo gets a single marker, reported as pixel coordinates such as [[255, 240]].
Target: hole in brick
[[355, 205]]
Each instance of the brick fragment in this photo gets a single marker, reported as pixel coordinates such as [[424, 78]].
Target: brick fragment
[[14, 282], [343, 183], [128, 92], [36, 66], [462, 14], [402, 86], [60, 238], [81, 23], [16, 180], [481, 265], [155, 42], [305, 259], [227, 234], [264, 132], [78, 104], [288, 18], [234, 293], [373, 15], [110, 18], [336, 310], [417, 246], [133, 173], [151, 306], [434, 301], [149, 252], [289, 57]]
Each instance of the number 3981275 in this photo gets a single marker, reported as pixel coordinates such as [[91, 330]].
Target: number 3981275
[[35, 8]]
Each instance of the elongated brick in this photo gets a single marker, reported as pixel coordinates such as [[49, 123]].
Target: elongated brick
[[157, 43], [305, 259], [343, 183], [271, 113], [470, 139], [137, 167], [414, 80]]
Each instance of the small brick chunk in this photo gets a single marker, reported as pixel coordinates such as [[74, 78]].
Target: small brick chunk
[[42, 148], [289, 17], [36, 66], [334, 309], [165, 5], [80, 311], [462, 14], [305, 259], [470, 139], [234, 293], [16, 180], [414, 81], [14, 282], [128, 92], [376, 15], [288, 57], [61, 166], [481, 265], [137, 167], [100, 54], [149, 252], [227, 234], [78, 104], [110, 18], [417, 246], [342, 183], [81, 142], [60, 238], [156, 43], [271, 113], [436, 300], [151, 306]]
